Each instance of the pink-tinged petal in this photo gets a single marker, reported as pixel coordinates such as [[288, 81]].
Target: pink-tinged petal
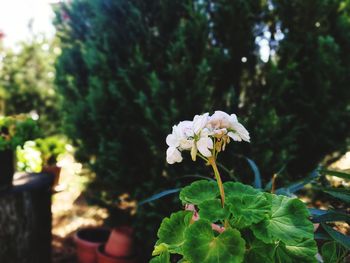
[[219, 120], [217, 228], [190, 207]]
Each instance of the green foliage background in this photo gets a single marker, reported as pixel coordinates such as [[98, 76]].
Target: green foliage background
[[130, 69], [27, 76]]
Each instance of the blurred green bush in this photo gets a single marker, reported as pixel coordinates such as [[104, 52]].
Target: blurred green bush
[[27, 76], [28, 158], [130, 69], [51, 148], [36, 154]]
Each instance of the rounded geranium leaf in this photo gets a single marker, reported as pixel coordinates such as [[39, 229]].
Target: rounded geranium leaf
[[183, 260], [302, 251], [287, 221], [248, 209], [201, 245], [171, 231], [199, 191], [213, 210], [258, 251], [237, 189]]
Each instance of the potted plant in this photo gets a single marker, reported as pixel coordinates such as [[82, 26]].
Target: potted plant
[[119, 247], [230, 221], [87, 241], [14, 131], [51, 148]]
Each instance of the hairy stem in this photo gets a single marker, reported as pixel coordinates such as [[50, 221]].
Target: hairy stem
[[212, 162]]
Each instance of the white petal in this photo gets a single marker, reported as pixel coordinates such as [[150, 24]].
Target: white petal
[[172, 141], [234, 136], [205, 132], [199, 122], [220, 132], [203, 145], [221, 114], [185, 129], [219, 120], [242, 131], [173, 155], [233, 118], [186, 144]]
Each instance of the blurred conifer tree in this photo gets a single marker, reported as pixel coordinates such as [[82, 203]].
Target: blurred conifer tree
[[130, 69]]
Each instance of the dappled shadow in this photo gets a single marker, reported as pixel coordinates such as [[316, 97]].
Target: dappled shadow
[[70, 211]]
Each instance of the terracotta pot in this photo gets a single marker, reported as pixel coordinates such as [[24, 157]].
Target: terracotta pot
[[7, 168], [120, 242], [55, 170], [87, 240], [102, 257]]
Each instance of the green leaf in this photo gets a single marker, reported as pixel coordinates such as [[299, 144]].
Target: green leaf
[[337, 236], [199, 192], [248, 209], [258, 251], [336, 173], [332, 252], [287, 221], [340, 193], [236, 189], [304, 251], [159, 249], [171, 231], [203, 246], [213, 210], [162, 258]]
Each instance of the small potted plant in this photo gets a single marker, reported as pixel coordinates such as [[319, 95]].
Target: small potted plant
[[229, 221], [51, 148], [87, 241], [119, 248], [14, 131]]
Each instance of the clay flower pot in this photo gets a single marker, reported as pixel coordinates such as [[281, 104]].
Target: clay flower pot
[[120, 242], [105, 258], [87, 240]]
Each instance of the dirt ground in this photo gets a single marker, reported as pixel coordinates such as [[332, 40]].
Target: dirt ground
[[70, 211]]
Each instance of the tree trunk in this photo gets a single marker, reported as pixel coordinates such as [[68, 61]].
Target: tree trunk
[[25, 220]]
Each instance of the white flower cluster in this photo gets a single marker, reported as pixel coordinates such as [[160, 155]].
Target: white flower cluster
[[204, 135]]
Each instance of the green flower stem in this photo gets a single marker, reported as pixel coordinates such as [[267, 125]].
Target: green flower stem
[[212, 162]]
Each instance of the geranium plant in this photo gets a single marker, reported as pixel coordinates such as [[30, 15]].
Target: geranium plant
[[229, 222]]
